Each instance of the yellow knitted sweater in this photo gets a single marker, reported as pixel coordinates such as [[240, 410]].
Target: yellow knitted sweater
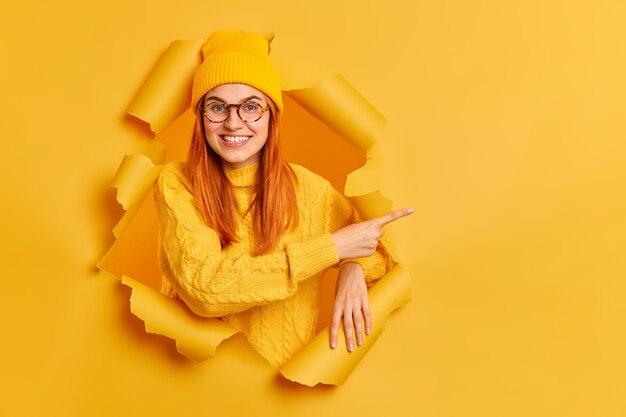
[[271, 298]]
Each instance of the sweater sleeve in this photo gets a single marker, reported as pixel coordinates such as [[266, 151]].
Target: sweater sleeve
[[374, 266], [215, 282]]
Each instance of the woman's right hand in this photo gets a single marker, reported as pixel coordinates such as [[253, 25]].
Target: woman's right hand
[[361, 239]]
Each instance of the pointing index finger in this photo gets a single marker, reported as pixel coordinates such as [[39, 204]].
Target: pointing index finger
[[393, 216]]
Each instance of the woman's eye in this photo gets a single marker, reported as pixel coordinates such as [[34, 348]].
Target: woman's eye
[[250, 107], [217, 107]]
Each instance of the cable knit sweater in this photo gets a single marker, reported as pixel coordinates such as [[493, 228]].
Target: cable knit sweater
[[272, 298]]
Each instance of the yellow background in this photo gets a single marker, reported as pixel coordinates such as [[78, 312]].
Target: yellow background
[[505, 131]]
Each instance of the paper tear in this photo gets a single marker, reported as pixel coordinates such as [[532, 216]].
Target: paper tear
[[130, 179], [341, 107], [196, 337], [318, 363], [134, 178], [163, 98], [364, 180], [156, 151], [166, 93]]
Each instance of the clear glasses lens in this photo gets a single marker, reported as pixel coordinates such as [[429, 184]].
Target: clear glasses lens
[[248, 111]]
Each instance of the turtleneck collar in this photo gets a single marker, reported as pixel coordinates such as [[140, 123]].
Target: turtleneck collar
[[243, 177]]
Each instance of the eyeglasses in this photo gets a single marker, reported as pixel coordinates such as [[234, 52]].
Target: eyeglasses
[[248, 112]]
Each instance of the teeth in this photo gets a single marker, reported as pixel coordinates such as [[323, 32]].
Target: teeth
[[235, 139]]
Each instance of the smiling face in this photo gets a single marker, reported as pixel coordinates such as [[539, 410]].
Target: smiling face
[[238, 143]]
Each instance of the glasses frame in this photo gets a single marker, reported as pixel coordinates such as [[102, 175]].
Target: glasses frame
[[238, 106]]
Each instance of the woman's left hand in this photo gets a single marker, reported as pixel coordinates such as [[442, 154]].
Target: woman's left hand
[[351, 303]]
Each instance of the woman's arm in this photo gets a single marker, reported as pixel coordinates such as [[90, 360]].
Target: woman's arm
[[215, 282], [365, 261]]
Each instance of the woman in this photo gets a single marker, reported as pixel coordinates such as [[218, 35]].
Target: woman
[[245, 236]]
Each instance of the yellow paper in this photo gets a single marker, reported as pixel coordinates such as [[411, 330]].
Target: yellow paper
[[344, 109], [365, 179], [318, 363], [134, 178], [504, 130], [196, 337], [371, 205], [166, 93]]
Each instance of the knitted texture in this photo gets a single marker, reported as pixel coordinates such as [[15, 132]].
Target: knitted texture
[[236, 57], [272, 298]]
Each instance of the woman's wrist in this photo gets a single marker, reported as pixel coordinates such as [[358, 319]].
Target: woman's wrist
[[351, 265], [338, 247]]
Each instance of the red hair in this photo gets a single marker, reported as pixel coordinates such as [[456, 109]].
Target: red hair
[[275, 208]]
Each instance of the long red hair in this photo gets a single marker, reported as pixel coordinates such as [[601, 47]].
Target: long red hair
[[275, 208]]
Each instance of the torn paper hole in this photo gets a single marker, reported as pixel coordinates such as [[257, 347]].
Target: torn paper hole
[[196, 337], [161, 102]]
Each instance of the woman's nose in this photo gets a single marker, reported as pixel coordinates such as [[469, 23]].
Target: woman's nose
[[233, 121]]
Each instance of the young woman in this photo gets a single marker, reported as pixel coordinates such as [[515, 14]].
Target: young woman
[[246, 237]]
